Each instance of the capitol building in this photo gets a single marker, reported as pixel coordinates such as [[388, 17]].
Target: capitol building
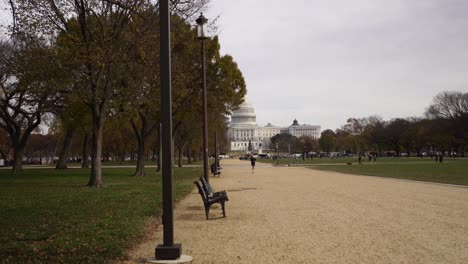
[[243, 129]]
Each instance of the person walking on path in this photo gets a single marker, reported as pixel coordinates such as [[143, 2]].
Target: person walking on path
[[252, 162]]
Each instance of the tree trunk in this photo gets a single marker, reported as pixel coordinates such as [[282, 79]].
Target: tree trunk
[[19, 143], [140, 168], [189, 159], [18, 159], [62, 161], [180, 156], [140, 136], [84, 154], [95, 179]]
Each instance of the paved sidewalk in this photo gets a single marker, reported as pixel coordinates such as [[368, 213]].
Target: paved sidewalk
[[300, 215]]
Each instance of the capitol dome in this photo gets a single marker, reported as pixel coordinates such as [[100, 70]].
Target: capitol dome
[[244, 115]]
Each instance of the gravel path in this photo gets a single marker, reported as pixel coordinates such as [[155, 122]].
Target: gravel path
[[300, 215]]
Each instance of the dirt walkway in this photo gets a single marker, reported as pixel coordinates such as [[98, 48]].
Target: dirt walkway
[[299, 215]]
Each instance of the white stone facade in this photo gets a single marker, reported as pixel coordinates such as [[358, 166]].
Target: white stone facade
[[244, 129]]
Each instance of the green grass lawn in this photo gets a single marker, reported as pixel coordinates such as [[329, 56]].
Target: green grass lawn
[[119, 163], [48, 216], [346, 160], [453, 171], [148, 162]]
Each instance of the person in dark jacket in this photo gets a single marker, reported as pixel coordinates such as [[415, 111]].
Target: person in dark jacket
[[252, 162]]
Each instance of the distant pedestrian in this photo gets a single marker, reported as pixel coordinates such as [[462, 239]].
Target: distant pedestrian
[[441, 157], [252, 162], [360, 159]]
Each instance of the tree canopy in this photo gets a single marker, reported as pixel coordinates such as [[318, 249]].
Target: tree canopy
[[96, 71]]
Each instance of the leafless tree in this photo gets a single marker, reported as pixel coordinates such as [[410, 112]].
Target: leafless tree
[[452, 106]]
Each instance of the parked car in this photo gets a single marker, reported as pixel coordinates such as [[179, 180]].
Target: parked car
[[244, 157]]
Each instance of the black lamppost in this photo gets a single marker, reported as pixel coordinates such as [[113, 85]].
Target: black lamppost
[[216, 151], [304, 153], [276, 154], [168, 250], [201, 21]]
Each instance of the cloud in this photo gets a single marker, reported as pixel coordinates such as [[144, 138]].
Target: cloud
[[325, 61]]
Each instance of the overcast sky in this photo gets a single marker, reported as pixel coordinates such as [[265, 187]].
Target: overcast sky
[[323, 61]]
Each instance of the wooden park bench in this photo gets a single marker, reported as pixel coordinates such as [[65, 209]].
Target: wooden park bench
[[210, 200], [214, 170]]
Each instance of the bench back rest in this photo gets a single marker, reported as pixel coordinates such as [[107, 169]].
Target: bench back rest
[[201, 191], [206, 186]]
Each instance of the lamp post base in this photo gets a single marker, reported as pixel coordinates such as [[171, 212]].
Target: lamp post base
[[168, 252], [182, 259]]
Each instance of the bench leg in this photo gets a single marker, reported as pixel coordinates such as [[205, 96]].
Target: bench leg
[[222, 206], [207, 211]]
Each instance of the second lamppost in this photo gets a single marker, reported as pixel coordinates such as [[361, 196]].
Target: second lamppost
[[201, 21]]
